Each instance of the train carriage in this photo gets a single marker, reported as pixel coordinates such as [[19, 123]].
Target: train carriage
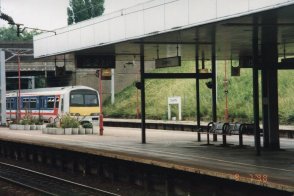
[[49, 103]]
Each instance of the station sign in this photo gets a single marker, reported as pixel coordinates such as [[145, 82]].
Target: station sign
[[168, 62], [106, 74], [95, 61]]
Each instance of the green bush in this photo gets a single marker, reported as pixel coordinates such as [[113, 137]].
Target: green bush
[[88, 125], [27, 120], [51, 125], [69, 122]]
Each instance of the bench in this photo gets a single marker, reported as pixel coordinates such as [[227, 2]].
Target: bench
[[224, 129]]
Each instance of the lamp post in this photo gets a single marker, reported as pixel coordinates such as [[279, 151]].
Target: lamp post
[[100, 97], [19, 96]]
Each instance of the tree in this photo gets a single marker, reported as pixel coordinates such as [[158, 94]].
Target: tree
[[79, 10], [10, 34]]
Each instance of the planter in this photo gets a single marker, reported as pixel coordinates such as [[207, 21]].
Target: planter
[[44, 130], [67, 131], [40, 127], [95, 130], [33, 127], [27, 127], [13, 126], [82, 131], [20, 127], [59, 131], [89, 130], [75, 131], [51, 130]]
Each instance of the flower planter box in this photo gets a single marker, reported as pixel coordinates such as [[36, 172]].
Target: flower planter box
[[33, 127], [40, 127], [89, 130], [51, 130], [82, 131], [20, 127], [75, 131], [59, 131], [27, 127], [95, 130], [44, 130], [13, 126], [68, 131]]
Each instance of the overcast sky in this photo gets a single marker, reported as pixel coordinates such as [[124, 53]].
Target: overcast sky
[[50, 14]]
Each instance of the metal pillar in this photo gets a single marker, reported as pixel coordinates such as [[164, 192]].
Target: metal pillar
[[142, 73], [269, 52], [101, 103], [112, 86], [255, 86], [213, 71], [3, 87], [197, 92]]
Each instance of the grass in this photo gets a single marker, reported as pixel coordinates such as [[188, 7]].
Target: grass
[[240, 101]]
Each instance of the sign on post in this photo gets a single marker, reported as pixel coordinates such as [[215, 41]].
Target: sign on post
[[174, 101]]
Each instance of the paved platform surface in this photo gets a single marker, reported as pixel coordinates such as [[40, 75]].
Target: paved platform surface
[[178, 150]]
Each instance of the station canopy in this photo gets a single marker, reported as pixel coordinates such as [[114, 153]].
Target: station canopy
[[169, 28]]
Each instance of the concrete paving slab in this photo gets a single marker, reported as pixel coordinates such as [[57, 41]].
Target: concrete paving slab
[[178, 150]]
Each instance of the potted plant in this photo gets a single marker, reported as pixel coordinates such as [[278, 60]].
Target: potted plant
[[89, 127], [82, 130], [50, 129], [39, 124], [75, 126], [26, 124], [68, 123]]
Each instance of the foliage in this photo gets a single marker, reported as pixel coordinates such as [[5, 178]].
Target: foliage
[[79, 10], [9, 34], [88, 125], [37, 121], [51, 125], [27, 119], [240, 96], [69, 122]]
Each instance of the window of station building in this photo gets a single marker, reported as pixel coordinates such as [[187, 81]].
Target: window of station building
[[50, 102]]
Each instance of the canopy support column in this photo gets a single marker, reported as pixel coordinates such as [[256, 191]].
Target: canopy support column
[[142, 74]]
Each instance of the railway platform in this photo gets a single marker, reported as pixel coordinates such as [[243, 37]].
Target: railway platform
[[286, 131], [177, 150]]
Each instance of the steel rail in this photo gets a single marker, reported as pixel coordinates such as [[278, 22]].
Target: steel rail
[[78, 185]]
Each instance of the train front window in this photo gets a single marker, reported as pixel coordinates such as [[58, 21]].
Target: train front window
[[77, 100], [91, 100], [83, 98]]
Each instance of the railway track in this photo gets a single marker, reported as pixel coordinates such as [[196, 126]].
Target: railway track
[[46, 184]]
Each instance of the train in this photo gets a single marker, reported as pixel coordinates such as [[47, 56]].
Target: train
[[48, 104]]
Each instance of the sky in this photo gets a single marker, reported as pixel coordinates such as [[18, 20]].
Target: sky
[[50, 14]]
